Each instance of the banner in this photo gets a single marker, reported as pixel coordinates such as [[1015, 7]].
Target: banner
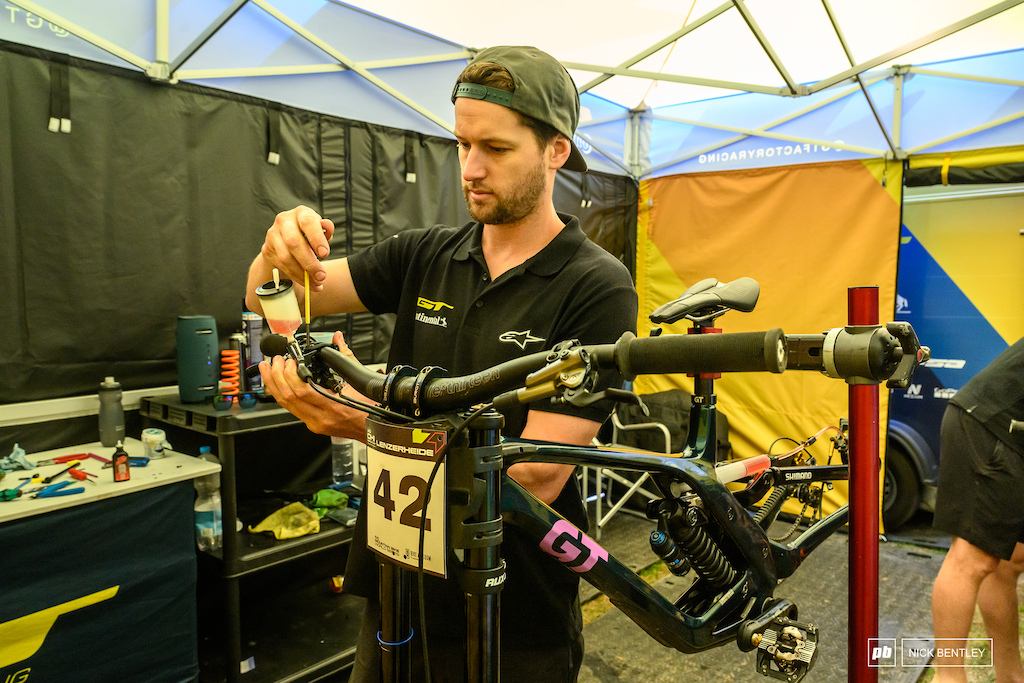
[[806, 234]]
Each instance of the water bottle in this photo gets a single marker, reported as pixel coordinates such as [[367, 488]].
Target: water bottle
[[111, 413], [209, 523], [342, 455]]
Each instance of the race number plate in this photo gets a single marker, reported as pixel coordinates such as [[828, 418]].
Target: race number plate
[[399, 460]]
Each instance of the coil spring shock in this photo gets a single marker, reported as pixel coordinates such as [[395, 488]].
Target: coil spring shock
[[230, 372], [705, 556]]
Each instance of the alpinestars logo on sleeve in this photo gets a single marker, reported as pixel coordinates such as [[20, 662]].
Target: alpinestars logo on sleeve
[[520, 339]]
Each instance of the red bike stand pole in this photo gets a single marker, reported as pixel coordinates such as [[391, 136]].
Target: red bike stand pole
[[863, 598]]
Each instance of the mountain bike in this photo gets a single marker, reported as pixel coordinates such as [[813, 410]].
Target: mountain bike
[[436, 480]]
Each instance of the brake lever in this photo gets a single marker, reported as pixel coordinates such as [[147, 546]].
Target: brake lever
[[582, 398]]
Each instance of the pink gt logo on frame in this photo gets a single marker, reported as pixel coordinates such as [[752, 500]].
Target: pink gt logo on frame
[[567, 544]]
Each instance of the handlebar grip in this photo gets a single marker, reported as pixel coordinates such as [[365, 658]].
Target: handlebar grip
[[701, 353]]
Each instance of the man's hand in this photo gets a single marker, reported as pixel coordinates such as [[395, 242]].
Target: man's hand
[[320, 414], [296, 242]]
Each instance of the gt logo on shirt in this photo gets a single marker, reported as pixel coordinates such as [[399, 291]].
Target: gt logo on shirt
[[423, 302], [520, 339]]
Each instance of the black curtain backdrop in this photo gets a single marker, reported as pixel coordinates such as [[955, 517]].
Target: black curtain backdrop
[[155, 203]]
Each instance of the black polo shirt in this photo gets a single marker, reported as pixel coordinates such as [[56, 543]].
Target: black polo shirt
[[995, 395], [450, 313]]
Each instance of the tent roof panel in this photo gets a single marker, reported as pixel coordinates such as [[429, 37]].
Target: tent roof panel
[[255, 38], [802, 36], [1002, 32], [722, 49], [874, 27]]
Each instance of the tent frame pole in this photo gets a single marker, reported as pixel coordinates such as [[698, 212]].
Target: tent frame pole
[[915, 44], [970, 131], [897, 153], [82, 33], [207, 33], [665, 42], [320, 43], [748, 18]]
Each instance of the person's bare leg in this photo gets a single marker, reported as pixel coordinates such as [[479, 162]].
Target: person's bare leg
[[997, 599], [953, 598]]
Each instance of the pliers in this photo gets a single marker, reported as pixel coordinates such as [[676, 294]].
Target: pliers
[[58, 489], [60, 459]]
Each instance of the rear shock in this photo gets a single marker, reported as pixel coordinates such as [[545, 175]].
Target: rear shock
[[706, 557], [692, 545]]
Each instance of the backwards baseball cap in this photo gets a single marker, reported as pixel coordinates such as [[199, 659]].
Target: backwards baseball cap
[[543, 90]]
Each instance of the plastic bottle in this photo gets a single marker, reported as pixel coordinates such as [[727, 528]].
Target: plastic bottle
[[111, 413], [342, 455], [209, 524]]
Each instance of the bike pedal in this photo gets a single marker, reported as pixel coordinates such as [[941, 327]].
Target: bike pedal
[[787, 651]]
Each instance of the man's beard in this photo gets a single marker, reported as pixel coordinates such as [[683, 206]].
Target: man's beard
[[520, 201]]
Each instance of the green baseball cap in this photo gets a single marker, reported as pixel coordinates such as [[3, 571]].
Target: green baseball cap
[[543, 90]]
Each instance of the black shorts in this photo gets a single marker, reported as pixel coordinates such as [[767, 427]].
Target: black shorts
[[981, 486]]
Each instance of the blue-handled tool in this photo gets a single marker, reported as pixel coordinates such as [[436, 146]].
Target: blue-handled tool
[[58, 489], [133, 461]]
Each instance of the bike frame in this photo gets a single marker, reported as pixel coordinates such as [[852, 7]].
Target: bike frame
[[732, 598]]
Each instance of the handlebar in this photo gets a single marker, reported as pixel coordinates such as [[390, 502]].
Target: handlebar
[[426, 391]]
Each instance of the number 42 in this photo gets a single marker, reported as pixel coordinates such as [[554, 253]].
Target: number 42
[[411, 515]]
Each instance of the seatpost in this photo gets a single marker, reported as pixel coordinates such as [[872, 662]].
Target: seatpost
[[702, 434], [484, 572]]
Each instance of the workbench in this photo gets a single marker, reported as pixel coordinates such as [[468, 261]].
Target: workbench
[[101, 585]]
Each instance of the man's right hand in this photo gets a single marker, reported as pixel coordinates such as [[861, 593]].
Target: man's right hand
[[320, 414], [296, 243]]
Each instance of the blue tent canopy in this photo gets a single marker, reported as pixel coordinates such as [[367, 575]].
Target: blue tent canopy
[[339, 59]]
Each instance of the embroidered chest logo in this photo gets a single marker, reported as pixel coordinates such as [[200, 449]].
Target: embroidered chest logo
[[520, 339], [433, 306]]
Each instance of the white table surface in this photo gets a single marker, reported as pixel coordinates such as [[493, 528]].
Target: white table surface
[[167, 470]]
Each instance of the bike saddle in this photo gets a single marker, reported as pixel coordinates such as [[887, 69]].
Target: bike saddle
[[709, 299]]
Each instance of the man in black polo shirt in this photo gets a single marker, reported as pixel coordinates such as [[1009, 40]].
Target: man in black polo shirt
[[517, 280], [980, 502]]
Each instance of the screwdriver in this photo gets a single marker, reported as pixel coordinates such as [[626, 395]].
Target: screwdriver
[[72, 465], [81, 475], [11, 494]]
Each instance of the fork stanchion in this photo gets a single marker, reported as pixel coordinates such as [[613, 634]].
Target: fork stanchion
[[863, 586]]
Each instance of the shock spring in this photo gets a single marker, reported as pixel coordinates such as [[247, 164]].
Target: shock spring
[[229, 372], [705, 556]]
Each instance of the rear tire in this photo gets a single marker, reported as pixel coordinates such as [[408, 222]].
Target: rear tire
[[901, 493]]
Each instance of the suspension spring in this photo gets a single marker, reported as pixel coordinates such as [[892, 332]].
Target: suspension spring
[[230, 372], [705, 556]]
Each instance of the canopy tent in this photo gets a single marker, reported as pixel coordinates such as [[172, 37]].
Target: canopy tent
[[667, 87], [847, 88]]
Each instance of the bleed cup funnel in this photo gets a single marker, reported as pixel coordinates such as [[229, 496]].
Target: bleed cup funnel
[[280, 307]]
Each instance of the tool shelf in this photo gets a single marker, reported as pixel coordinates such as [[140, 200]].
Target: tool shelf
[[257, 446]]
